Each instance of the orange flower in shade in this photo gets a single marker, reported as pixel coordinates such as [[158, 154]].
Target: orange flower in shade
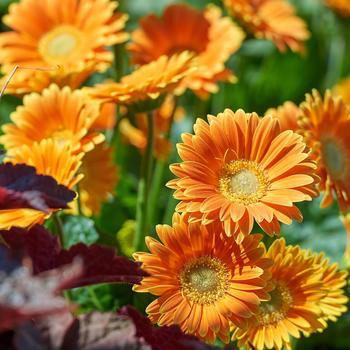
[[106, 119], [343, 89], [326, 128], [333, 303], [209, 36], [274, 20], [148, 82], [239, 169], [21, 218], [305, 286], [287, 115], [49, 157], [342, 7], [203, 279], [60, 114], [100, 179], [163, 117], [70, 36]]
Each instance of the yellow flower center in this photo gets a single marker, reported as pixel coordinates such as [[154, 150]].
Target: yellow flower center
[[276, 309], [334, 158], [243, 181], [204, 280], [62, 136], [61, 45]]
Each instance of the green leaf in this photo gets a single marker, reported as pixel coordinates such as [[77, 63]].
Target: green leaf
[[79, 229]]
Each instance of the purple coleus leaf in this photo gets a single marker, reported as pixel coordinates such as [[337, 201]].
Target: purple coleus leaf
[[101, 264], [160, 338], [24, 296], [22, 187], [94, 331]]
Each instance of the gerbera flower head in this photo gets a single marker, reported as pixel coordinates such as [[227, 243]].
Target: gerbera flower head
[[163, 117], [97, 186], [287, 115], [342, 7], [203, 279], [27, 198], [299, 299], [70, 35], [238, 169], [333, 303], [326, 128], [273, 20], [61, 114], [211, 37], [49, 157], [106, 119], [147, 83]]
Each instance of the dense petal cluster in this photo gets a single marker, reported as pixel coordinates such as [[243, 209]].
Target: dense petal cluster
[[287, 115], [148, 82], [238, 169], [203, 279], [306, 293], [99, 179], [211, 37], [62, 114], [51, 158], [274, 20], [325, 124], [70, 37]]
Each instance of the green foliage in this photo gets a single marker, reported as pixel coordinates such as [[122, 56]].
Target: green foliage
[[79, 229]]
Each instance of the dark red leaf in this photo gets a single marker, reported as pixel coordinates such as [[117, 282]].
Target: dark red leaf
[[37, 243], [6, 340], [160, 338], [22, 187], [95, 331], [23, 296], [101, 264]]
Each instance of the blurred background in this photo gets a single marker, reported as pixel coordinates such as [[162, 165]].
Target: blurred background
[[266, 78]]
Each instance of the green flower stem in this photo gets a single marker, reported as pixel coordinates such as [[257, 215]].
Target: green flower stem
[[59, 228], [80, 210], [158, 178], [143, 190]]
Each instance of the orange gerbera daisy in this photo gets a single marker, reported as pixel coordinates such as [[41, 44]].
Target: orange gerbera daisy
[[333, 303], [70, 35], [274, 20], [203, 278], [209, 36], [326, 126], [343, 89], [106, 119], [100, 179], [147, 82], [61, 114], [342, 7], [240, 168], [299, 298], [163, 117], [287, 115], [49, 157]]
